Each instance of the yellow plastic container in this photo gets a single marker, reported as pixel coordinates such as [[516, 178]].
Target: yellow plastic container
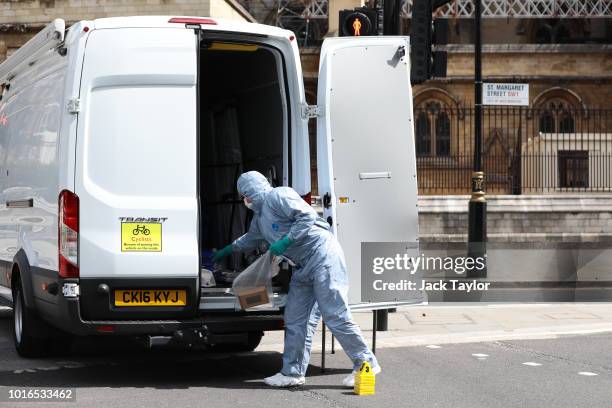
[[365, 380]]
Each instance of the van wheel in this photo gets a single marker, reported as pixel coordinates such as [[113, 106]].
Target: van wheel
[[254, 338], [25, 324], [60, 345], [252, 342]]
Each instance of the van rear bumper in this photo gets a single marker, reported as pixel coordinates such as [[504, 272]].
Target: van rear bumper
[[68, 318], [73, 323], [97, 298]]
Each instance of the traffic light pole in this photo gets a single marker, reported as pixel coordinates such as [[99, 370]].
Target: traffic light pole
[[390, 26], [391, 17], [379, 6], [477, 216]]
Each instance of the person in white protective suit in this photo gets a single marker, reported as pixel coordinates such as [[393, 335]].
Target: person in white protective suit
[[319, 283]]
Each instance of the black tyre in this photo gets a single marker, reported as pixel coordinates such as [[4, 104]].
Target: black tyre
[[28, 330], [60, 345], [254, 338]]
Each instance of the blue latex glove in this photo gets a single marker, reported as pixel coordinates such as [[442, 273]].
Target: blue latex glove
[[280, 246], [223, 252]]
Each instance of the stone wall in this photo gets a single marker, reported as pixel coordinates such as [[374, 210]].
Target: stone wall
[[229, 10], [567, 217], [568, 60], [42, 11], [585, 70]]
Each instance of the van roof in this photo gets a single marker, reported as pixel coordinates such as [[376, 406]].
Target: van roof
[[162, 21]]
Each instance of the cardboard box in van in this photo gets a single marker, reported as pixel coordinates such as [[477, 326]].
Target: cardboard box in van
[[253, 297]]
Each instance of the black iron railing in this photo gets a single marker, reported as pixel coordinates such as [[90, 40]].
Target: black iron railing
[[551, 149]]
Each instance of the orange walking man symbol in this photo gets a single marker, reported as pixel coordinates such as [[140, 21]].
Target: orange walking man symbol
[[357, 27]]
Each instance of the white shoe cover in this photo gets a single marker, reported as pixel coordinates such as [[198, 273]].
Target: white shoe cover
[[349, 380], [280, 380]]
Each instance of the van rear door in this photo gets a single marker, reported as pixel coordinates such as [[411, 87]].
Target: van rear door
[[365, 145], [136, 170]]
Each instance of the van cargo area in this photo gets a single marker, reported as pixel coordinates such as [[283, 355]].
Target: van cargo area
[[243, 126]]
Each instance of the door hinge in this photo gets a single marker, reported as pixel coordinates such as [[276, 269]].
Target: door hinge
[[74, 105], [312, 111]]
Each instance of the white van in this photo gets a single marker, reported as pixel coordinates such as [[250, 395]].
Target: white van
[[121, 140]]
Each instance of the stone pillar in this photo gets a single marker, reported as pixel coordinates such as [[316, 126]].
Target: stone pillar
[[334, 7]]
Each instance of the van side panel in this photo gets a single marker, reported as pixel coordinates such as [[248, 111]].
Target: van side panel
[[30, 116], [136, 153]]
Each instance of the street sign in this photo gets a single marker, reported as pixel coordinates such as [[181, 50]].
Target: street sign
[[505, 94]]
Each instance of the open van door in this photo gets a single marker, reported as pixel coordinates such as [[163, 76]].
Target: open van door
[[365, 145]]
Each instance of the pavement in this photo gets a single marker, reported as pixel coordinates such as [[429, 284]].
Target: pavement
[[455, 356], [466, 323]]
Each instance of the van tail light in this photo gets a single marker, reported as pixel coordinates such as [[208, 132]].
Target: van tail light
[[68, 234], [105, 329], [308, 198], [192, 20]]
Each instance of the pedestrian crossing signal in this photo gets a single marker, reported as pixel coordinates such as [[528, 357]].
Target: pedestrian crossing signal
[[359, 22], [357, 27]]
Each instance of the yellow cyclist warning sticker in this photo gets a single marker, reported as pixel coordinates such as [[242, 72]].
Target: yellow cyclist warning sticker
[[141, 237]]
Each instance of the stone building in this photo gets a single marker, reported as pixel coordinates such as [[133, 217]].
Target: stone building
[[549, 165], [566, 61], [555, 153], [21, 19], [568, 66]]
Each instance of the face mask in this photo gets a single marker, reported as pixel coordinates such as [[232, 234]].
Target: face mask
[[248, 205]]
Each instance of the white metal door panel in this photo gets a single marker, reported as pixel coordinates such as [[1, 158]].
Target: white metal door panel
[[136, 150], [366, 158]]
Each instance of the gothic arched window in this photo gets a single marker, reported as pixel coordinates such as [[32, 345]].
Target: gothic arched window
[[433, 130], [443, 134], [547, 122], [556, 115], [423, 134], [566, 123]]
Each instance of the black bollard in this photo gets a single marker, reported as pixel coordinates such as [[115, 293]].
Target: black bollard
[[382, 320]]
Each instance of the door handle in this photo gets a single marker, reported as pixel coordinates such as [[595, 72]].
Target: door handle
[[327, 200], [20, 203], [375, 175]]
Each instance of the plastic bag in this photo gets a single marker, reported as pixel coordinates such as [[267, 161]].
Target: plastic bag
[[253, 286]]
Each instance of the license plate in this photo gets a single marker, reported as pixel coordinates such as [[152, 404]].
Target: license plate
[[151, 297]]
